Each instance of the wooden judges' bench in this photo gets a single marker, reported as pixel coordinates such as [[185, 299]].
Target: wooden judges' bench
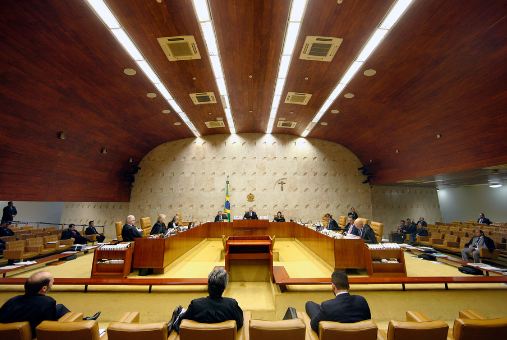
[[159, 253]]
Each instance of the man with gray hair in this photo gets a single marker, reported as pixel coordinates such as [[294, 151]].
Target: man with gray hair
[[250, 215], [211, 309], [130, 232]]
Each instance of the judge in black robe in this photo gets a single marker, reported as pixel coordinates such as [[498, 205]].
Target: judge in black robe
[[159, 227]]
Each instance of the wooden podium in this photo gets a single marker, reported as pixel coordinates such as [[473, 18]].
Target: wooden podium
[[249, 258]]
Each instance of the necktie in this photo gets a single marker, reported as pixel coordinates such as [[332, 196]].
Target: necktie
[[361, 234]]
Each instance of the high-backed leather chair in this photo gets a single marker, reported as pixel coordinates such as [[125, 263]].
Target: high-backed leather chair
[[343, 222], [413, 330], [37, 244], [80, 330], [16, 331], [16, 250], [146, 225], [378, 228], [478, 328], [293, 329], [192, 330], [329, 330], [119, 228], [137, 331]]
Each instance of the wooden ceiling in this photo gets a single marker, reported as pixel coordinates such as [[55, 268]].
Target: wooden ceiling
[[440, 71]]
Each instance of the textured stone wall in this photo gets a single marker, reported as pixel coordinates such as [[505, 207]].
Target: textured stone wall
[[392, 204], [103, 213], [188, 176]]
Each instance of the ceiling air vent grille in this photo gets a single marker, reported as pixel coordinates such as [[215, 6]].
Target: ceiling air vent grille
[[215, 124], [179, 48], [286, 124], [298, 98], [320, 48], [203, 98]]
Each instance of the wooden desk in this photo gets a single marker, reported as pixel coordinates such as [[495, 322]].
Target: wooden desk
[[250, 224], [249, 248]]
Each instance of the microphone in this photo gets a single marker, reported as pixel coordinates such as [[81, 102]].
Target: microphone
[[241, 231]]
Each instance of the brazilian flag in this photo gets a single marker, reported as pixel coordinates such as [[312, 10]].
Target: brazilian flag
[[227, 209]]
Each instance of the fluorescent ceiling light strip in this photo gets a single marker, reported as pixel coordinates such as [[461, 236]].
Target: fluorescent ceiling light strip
[[336, 92], [127, 44], [273, 113], [175, 106], [372, 44], [279, 86], [163, 91], [395, 13], [305, 133], [276, 101], [297, 10], [284, 66], [104, 13], [351, 72], [227, 104], [216, 65], [221, 86], [290, 38], [143, 64], [209, 37], [201, 7]]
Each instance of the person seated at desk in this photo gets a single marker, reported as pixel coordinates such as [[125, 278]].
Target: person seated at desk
[[279, 217], [365, 232], [174, 222], [331, 224], [411, 232], [350, 229], [477, 242], [220, 217], [483, 219], [130, 232], [91, 230], [211, 309], [159, 227], [344, 308], [5, 230], [352, 213], [34, 306], [402, 228], [72, 234], [250, 215], [421, 231], [422, 222]]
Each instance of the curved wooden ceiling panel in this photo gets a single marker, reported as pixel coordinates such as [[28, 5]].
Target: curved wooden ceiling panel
[[441, 70]]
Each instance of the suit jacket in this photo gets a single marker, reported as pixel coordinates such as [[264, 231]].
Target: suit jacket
[[213, 310], [281, 219], [31, 308], [91, 231], [8, 212], [353, 214], [485, 242], [130, 233], [422, 232], [368, 234], [412, 229], [424, 224], [219, 219], [158, 228], [332, 225], [344, 308], [248, 217], [353, 231], [67, 234], [484, 220], [6, 232]]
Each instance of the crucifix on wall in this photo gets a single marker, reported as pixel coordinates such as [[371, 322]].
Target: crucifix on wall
[[281, 183]]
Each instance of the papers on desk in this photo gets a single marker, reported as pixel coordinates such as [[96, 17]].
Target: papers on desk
[[52, 242], [69, 252], [101, 332], [9, 267], [19, 264]]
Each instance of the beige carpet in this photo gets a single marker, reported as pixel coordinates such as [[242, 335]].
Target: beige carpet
[[264, 299]]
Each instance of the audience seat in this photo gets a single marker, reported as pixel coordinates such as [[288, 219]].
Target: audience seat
[[26, 227], [423, 240], [49, 228], [137, 331], [453, 245], [16, 250], [16, 331], [447, 238], [437, 239], [378, 228], [8, 238], [146, 225], [79, 330], [485, 253], [363, 330], [343, 222], [36, 244], [25, 236], [293, 329], [414, 330], [119, 228], [471, 325], [53, 243]]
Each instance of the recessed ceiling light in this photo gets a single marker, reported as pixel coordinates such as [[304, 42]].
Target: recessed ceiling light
[[62, 135], [220, 118], [348, 95], [209, 113], [495, 185], [397, 151], [323, 123], [129, 71], [306, 78], [334, 111], [166, 111], [250, 76], [439, 135], [194, 78], [104, 150], [369, 73], [281, 118], [250, 111], [177, 123], [151, 95]]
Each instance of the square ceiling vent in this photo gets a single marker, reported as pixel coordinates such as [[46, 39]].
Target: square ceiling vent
[[215, 124], [297, 98], [320, 48], [286, 124], [203, 98], [180, 48]]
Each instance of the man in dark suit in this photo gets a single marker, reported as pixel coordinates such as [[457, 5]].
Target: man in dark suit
[[72, 234], [35, 306], [250, 215], [91, 230], [5, 230], [483, 219], [211, 309], [350, 229], [343, 308], [130, 232], [421, 231], [331, 224], [422, 222], [411, 231], [220, 217], [365, 232], [9, 212], [473, 247]]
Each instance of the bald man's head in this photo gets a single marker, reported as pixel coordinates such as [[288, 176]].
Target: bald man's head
[[39, 283], [359, 223]]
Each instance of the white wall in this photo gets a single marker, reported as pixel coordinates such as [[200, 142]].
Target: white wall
[[37, 211], [466, 203]]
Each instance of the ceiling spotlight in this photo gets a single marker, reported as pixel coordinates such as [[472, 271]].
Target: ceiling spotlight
[[194, 78], [130, 160], [151, 95], [306, 78], [177, 123], [166, 111], [129, 72], [62, 135], [369, 73], [439, 135], [348, 95], [495, 185], [335, 111], [250, 76], [104, 150], [323, 123], [397, 151]]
